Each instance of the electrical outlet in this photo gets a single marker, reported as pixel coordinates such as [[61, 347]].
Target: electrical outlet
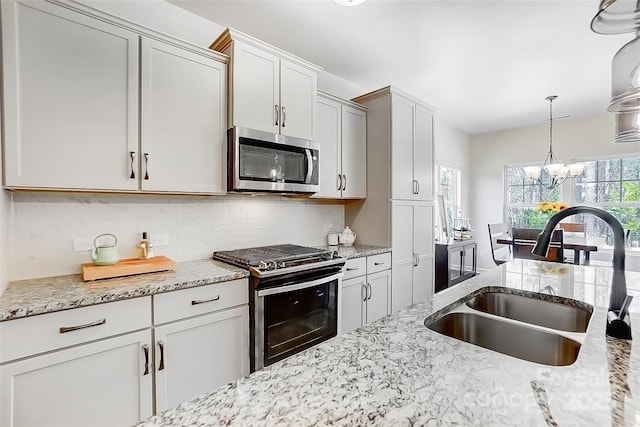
[[82, 244], [160, 239]]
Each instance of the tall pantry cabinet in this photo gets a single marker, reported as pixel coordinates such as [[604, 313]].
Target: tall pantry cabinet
[[399, 209]]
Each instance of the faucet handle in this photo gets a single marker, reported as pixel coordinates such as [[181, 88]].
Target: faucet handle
[[619, 322]]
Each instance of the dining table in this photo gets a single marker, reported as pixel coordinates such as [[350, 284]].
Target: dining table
[[576, 244]]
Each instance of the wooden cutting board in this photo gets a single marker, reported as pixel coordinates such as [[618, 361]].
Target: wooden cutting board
[[127, 267]]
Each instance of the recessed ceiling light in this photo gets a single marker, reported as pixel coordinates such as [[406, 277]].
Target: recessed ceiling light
[[349, 2]]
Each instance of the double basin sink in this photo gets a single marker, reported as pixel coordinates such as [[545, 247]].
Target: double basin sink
[[526, 327]]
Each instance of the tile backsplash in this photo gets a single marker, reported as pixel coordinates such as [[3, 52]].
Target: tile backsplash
[[43, 226]]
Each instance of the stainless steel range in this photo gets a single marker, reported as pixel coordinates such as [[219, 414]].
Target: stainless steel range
[[293, 298]]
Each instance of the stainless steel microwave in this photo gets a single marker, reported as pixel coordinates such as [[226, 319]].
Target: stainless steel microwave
[[266, 162]]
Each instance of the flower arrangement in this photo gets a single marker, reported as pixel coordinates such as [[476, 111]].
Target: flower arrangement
[[551, 207]]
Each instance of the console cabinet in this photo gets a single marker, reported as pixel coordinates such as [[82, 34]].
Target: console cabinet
[[366, 291], [456, 261], [270, 90], [104, 105]]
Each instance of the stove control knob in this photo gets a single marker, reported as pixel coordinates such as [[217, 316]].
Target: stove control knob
[[263, 266], [282, 265], [273, 265]]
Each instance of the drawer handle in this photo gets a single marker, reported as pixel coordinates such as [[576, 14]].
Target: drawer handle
[[161, 347], [378, 263], [64, 329], [145, 348], [202, 301], [353, 268]]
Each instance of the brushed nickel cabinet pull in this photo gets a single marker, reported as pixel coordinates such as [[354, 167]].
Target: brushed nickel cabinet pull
[[364, 287], [370, 291], [378, 263], [145, 348], [339, 182], [146, 166], [353, 268], [202, 301], [277, 113], [284, 116], [132, 156], [417, 187], [161, 347], [344, 182], [64, 329]]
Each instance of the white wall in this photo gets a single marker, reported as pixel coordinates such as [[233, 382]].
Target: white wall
[[453, 147], [572, 138]]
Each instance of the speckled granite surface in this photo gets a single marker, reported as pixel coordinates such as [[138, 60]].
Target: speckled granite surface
[[398, 372], [357, 250], [45, 295]]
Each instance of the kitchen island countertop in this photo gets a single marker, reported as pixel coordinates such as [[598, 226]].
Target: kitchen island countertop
[[398, 372]]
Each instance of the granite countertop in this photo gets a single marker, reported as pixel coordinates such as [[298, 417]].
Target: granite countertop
[[49, 294], [31, 297], [397, 372], [357, 250]]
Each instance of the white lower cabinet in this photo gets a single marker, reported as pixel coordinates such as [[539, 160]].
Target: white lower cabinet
[[206, 343], [97, 365], [197, 355], [366, 291], [101, 383]]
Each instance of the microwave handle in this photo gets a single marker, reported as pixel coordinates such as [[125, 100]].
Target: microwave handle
[[307, 179]]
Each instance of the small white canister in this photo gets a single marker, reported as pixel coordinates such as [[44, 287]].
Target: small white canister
[[332, 239]]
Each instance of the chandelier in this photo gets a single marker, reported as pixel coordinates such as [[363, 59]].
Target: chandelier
[[558, 172]]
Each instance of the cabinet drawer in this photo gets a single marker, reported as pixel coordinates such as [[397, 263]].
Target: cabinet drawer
[[355, 267], [378, 262], [46, 332], [203, 299]]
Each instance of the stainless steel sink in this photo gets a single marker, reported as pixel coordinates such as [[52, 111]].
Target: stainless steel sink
[[534, 311], [534, 345]]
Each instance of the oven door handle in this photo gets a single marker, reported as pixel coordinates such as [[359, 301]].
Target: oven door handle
[[298, 286], [307, 179]]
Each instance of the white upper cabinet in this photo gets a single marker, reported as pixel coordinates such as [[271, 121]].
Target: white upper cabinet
[[342, 134], [82, 112], [412, 149], [70, 99], [270, 90], [183, 126]]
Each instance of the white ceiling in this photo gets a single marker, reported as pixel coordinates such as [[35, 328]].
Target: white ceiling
[[485, 65]]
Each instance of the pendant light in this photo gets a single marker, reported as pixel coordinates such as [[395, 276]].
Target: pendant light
[[558, 172]]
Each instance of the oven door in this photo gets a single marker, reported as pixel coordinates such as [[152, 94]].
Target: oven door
[[261, 161], [294, 317]]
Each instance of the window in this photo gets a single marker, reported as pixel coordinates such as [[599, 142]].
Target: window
[[449, 187], [613, 185], [523, 195]]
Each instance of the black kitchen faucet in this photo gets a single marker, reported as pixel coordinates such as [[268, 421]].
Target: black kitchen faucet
[[618, 321]]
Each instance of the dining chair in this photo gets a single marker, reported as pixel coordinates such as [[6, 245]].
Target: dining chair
[[524, 239], [572, 229], [500, 252]]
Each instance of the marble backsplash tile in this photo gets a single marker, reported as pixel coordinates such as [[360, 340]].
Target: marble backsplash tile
[[43, 226]]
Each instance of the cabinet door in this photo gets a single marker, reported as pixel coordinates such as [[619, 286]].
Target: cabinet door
[[423, 279], [353, 301], [328, 135], [198, 355], [379, 295], [256, 88], [98, 384], [403, 112], [402, 254], [423, 243], [423, 153], [183, 120], [70, 99], [354, 152], [470, 260], [298, 92]]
